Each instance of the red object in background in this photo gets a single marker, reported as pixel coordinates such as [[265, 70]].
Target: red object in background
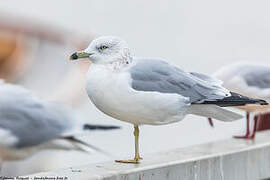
[[210, 120], [247, 128], [263, 122]]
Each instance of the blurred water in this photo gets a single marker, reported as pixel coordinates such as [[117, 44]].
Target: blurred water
[[195, 35]]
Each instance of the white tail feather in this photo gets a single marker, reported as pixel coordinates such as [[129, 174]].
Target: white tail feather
[[213, 111]]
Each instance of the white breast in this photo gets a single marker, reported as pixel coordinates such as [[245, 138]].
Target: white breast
[[111, 92]]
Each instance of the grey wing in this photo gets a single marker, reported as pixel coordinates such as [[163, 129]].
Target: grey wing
[[207, 78], [257, 76], [31, 122], [159, 76]]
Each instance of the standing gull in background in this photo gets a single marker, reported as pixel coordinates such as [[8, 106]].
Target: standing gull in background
[[149, 91], [251, 80], [28, 124]]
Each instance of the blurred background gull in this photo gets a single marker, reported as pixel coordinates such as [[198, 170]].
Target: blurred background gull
[[29, 124], [37, 37]]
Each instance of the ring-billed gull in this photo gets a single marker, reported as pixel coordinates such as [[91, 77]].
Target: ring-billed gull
[[150, 91], [29, 124], [250, 80]]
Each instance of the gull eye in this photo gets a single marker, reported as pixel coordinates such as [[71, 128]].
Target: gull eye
[[103, 47]]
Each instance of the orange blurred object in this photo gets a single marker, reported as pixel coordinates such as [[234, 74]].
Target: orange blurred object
[[35, 55], [12, 54]]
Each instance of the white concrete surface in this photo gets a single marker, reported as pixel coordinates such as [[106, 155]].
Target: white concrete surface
[[231, 159]]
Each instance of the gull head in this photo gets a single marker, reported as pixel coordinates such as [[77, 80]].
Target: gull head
[[104, 50]]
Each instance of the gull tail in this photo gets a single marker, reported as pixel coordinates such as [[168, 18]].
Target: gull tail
[[213, 111], [235, 100]]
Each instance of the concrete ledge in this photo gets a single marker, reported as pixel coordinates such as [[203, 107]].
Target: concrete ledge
[[231, 159]]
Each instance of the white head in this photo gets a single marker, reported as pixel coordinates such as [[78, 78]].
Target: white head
[[104, 50]]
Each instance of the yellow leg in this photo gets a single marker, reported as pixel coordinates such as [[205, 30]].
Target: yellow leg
[[137, 149], [137, 157]]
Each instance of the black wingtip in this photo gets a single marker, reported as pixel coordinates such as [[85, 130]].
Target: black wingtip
[[236, 100], [262, 102], [99, 127]]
